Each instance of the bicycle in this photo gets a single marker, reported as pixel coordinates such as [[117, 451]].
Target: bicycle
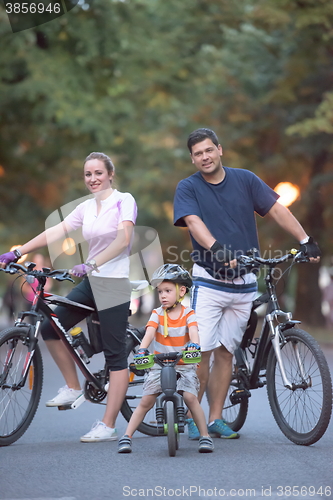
[[286, 359], [21, 365], [169, 406]]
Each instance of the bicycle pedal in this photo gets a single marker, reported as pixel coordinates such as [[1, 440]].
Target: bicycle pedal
[[72, 406], [238, 395], [65, 407]]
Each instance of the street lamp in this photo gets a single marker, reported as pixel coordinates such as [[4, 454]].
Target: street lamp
[[68, 246], [288, 193]]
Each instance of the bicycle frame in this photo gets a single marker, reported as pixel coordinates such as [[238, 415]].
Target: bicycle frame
[[168, 384], [271, 334], [39, 305]]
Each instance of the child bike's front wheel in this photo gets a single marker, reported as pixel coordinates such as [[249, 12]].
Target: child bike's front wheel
[[303, 411], [169, 412], [18, 404]]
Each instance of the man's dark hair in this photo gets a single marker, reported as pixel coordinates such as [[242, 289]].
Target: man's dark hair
[[200, 135]]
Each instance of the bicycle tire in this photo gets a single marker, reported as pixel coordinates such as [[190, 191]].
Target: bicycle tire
[[302, 414], [235, 414], [169, 413], [18, 407], [134, 395]]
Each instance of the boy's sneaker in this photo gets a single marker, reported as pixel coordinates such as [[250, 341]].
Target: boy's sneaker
[[125, 444], [66, 396], [220, 429], [193, 431], [98, 433], [205, 445]]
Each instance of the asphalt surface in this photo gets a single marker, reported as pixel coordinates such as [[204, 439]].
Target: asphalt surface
[[49, 462]]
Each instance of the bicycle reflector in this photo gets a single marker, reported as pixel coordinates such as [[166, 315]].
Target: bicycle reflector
[[191, 357], [144, 362]]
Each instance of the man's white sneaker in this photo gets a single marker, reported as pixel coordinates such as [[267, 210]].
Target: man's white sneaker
[[99, 432], [66, 396]]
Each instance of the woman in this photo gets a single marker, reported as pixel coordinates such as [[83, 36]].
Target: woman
[[107, 222]]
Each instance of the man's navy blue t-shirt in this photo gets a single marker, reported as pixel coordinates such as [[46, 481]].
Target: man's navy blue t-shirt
[[227, 209]]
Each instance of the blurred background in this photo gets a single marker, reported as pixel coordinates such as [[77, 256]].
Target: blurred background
[[133, 78]]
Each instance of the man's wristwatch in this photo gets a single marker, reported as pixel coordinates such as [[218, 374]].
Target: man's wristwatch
[[92, 263], [306, 240]]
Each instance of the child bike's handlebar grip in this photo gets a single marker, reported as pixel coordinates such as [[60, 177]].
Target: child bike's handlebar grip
[[192, 356], [144, 362]]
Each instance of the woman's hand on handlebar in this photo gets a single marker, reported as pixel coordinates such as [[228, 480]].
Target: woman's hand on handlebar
[[7, 258], [81, 270]]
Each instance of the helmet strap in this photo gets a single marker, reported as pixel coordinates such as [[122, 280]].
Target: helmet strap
[[178, 301]]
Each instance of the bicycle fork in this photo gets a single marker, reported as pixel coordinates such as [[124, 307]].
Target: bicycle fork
[[276, 335], [168, 384]]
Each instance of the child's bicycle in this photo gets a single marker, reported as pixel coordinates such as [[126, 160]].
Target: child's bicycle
[[21, 366], [169, 407], [287, 359]]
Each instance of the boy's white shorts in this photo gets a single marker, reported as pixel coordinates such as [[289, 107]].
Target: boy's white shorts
[[222, 316]]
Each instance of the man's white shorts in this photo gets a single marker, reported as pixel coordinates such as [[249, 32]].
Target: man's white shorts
[[222, 316]]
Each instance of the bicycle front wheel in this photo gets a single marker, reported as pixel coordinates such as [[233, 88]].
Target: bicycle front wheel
[[18, 404], [134, 394], [304, 411], [172, 433]]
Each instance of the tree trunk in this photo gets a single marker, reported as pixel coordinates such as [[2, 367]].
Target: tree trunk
[[308, 292]]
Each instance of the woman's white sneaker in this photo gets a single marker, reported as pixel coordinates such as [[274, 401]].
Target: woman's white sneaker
[[66, 396], [98, 433]]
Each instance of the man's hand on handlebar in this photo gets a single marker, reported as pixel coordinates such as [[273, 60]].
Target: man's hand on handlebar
[[223, 255], [311, 250]]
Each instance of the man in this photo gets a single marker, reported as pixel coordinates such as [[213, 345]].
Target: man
[[218, 206]]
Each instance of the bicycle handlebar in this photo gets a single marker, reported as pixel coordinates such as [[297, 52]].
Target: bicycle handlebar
[[253, 260], [58, 274]]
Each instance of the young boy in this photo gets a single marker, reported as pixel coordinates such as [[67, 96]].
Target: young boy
[[173, 327]]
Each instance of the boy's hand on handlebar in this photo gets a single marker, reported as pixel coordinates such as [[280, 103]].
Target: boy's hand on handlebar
[[311, 250], [193, 346], [141, 353]]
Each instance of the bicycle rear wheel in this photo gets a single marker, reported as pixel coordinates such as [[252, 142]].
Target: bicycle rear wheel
[[235, 414], [303, 412], [134, 393], [18, 405]]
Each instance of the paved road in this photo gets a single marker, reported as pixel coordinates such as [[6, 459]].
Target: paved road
[[49, 462]]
